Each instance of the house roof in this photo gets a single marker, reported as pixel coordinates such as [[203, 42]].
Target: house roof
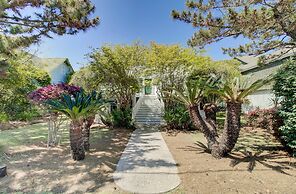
[[251, 62], [254, 72], [49, 64]]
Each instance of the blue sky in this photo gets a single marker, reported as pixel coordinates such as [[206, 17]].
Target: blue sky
[[123, 22]]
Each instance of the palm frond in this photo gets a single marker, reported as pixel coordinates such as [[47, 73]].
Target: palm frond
[[78, 106], [254, 87]]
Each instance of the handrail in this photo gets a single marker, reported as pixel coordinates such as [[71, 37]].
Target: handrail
[[137, 106]]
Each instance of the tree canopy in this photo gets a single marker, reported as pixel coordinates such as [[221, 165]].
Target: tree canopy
[[20, 26], [268, 24], [22, 78], [115, 70], [118, 70]]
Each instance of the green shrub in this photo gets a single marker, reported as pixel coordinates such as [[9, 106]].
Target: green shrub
[[3, 117], [27, 115], [178, 118], [285, 90], [122, 118], [106, 117], [264, 118], [23, 78], [288, 131]]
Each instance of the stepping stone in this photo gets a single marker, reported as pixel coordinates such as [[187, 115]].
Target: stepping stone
[[146, 165]]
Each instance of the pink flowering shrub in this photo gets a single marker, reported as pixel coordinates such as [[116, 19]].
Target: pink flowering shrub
[[51, 92], [264, 118]]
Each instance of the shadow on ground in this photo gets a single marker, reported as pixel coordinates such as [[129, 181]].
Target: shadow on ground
[[254, 147], [258, 164], [35, 168]]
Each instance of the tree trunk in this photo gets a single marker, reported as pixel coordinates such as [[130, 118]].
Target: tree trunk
[[76, 140], [86, 131], [211, 114], [231, 130], [209, 132]]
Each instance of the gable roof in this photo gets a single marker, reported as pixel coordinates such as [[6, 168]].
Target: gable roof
[[251, 62], [249, 66], [49, 64]]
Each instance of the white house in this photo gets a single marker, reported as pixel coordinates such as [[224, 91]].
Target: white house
[[264, 97], [58, 68]]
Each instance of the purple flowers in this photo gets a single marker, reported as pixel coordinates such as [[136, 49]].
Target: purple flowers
[[51, 92]]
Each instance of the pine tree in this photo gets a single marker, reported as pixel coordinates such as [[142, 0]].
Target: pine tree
[[24, 22], [268, 24]]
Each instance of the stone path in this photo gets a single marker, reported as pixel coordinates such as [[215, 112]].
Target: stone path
[[146, 165]]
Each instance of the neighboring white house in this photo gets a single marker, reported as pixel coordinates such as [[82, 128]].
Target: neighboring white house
[[264, 97], [58, 68]]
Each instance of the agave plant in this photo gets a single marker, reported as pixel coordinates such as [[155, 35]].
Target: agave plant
[[234, 93], [77, 108]]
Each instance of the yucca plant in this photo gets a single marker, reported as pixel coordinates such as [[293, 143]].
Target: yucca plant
[[77, 108], [234, 92]]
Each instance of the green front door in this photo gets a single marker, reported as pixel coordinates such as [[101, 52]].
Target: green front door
[[148, 90]]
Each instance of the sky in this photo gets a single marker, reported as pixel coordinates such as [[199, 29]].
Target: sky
[[124, 22]]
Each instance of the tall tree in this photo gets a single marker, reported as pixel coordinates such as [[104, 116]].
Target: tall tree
[[269, 24], [117, 70], [171, 65], [24, 22]]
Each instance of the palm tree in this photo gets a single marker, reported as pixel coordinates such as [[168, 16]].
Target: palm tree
[[76, 108], [194, 92], [90, 117], [233, 92]]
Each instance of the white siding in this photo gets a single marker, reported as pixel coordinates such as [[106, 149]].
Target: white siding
[[59, 74], [262, 99]]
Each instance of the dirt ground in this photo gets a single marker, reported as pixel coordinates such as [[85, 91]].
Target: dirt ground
[[36, 169], [256, 166]]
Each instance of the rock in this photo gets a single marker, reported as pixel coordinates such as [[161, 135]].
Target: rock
[[3, 171]]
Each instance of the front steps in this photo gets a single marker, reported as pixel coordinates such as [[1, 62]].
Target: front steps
[[149, 111]]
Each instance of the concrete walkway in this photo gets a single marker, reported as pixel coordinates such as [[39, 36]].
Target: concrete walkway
[[146, 165]]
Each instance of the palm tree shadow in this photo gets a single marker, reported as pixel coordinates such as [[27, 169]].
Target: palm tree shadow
[[268, 160], [199, 147], [202, 147]]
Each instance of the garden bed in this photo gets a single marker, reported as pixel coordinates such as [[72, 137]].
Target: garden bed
[[257, 165], [32, 167]]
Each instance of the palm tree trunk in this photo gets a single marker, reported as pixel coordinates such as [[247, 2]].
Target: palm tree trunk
[[76, 140], [211, 114], [86, 131], [209, 132], [231, 130]]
